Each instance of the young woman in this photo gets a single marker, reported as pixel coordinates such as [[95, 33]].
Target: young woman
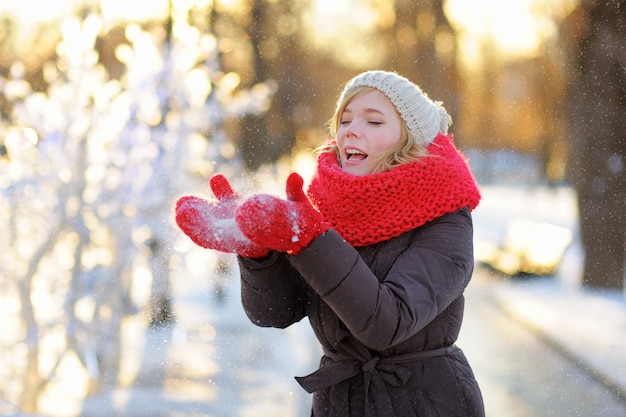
[[377, 255]]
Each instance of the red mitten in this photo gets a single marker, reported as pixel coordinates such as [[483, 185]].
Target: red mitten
[[286, 226], [212, 224]]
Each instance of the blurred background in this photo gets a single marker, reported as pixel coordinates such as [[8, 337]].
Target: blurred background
[[112, 109]]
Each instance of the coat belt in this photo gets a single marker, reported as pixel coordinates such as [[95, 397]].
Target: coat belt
[[386, 369]]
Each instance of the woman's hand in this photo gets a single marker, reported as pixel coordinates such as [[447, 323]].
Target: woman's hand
[[212, 225], [282, 225]]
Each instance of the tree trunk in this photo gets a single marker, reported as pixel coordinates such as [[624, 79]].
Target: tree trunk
[[597, 100], [255, 141]]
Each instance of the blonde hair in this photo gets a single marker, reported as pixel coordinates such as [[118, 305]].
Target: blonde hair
[[405, 151]]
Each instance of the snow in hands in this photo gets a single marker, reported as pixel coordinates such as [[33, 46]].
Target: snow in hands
[[283, 225], [212, 225]]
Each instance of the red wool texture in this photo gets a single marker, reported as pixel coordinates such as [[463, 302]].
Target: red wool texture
[[369, 209], [282, 225], [211, 224]]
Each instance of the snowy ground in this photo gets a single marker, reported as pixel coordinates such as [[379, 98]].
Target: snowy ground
[[587, 325], [214, 362]]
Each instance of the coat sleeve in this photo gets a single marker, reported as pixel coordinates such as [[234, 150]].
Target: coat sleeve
[[424, 279], [272, 291]]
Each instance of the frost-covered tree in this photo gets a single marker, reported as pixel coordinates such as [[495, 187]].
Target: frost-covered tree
[[89, 172]]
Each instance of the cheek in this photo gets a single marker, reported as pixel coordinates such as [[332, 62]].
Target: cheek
[[387, 140], [340, 138], [341, 132], [395, 136]]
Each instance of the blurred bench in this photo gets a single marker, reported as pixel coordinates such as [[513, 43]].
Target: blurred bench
[[528, 247]]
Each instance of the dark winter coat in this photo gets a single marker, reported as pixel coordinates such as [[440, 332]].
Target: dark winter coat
[[387, 316]]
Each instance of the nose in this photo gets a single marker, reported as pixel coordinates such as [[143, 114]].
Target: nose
[[352, 130]]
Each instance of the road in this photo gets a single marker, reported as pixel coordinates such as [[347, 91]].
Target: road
[[520, 374]]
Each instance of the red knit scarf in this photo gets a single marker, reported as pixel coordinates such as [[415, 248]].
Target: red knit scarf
[[368, 209]]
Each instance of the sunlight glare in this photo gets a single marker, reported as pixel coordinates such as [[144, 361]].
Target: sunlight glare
[[136, 10], [345, 27], [513, 28], [36, 10]]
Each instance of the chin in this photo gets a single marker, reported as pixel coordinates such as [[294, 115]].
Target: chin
[[358, 171]]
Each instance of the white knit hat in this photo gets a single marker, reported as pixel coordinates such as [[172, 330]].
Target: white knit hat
[[424, 118]]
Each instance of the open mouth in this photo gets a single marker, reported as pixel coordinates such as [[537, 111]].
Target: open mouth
[[355, 155]]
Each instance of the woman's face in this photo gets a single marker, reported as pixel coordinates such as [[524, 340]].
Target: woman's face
[[368, 126]]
